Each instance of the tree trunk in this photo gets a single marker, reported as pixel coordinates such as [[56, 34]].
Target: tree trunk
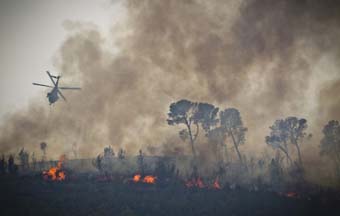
[[287, 155], [226, 152], [191, 140], [293, 140], [236, 147], [196, 134], [299, 153]]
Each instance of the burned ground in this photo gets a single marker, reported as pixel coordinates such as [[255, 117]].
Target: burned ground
[[30, 195]]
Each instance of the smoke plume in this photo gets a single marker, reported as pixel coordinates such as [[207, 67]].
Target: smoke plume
[[269, 59]]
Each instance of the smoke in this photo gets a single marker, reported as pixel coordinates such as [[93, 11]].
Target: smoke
[[269, 59]]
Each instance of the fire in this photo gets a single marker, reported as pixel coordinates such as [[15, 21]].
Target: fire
[[216, 184], [195, 182], [55, 173], [136, 178], [198, 182], [149, 179]]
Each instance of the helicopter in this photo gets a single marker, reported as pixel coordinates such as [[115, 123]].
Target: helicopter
[[54, 94]]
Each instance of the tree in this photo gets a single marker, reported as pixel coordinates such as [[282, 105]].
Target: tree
[[217, 137], [296, 132], [231, 122], [108, 152], [205, 114], [275, 170], [24, 158], [2, 165], [121, 154], [288, 131], [98, 163], [330, 143], [12, 167], [278, 138], [43, 147], [192, 114], [140, 162]]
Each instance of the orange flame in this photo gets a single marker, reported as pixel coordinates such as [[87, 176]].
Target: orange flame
[[216, 184], [136, 178], [149, 179], [55, 173]]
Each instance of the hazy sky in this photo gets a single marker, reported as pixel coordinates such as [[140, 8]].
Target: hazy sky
[[31, 32]]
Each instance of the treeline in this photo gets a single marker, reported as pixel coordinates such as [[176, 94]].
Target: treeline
[[223, 127]]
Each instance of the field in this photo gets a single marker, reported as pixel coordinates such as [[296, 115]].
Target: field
[[31, 195]]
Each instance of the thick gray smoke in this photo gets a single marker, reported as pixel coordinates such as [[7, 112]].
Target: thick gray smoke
[[269, 59]]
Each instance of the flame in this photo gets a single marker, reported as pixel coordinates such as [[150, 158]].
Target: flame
[[136, 178], [149, 179], [216, 184], [198, 182], [195, 182], [55, 173]]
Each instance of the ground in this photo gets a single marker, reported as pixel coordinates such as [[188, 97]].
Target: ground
[[31, 195]]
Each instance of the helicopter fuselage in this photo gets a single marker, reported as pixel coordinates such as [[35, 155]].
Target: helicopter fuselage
[[53, 95]]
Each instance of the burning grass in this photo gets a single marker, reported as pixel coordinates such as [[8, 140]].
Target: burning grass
[[198, 183], [148, 179], [56, 173]]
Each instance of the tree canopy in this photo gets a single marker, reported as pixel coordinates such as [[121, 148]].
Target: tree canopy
[[192, 113], [231, 122], [291, 130]]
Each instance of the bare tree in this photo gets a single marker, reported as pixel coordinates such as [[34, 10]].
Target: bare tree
[[330, 143], [231, 122]]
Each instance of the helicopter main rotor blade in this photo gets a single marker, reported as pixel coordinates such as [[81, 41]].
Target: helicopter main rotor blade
[[70, 88], [51, 77], [38, 84], [59, 92]]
